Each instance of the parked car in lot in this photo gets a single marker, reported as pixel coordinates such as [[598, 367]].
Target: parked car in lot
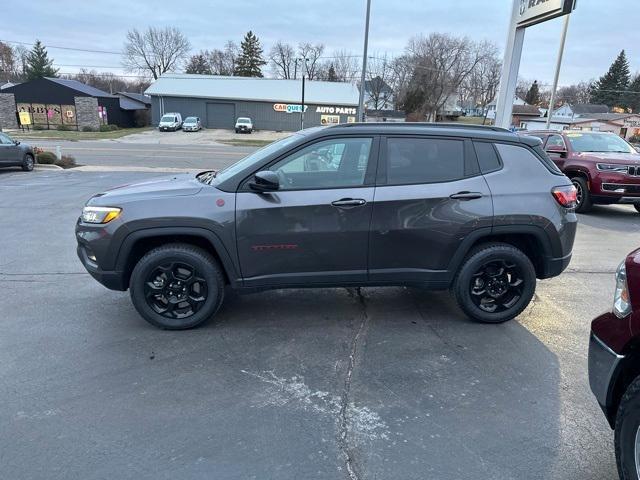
[[15, 154], [476, 209], [614, 366], [191, 124], [604, 168], [244, 125], [170, 122]]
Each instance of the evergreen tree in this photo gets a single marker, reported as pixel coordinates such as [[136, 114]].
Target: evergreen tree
[[533, 95], [609, 89], [198, 64], [38, 64], [331, 74], [633, 97], [250, 59]]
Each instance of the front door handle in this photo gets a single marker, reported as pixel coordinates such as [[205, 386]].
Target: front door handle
[[466, 195], [349, 202]]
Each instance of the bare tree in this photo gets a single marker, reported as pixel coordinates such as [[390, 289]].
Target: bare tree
[[346, 65], [378, 82], [223, 62], [282, 59], [155, 51], [311, 55], [8, 63], [109, 82], [481, 86], [579, 93], [441, 62]]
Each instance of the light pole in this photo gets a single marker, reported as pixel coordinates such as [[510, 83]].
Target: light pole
[[303, 69], [364, 63], [558, 65]]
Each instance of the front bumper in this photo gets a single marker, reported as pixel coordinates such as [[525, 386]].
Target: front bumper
[[603, 370], [113, 280]]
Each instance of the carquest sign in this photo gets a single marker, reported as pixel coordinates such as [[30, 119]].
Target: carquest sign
[[288, 108], [532, 12]]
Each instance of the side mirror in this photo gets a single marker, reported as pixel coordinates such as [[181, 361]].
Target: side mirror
[[17, 142], [557, 150], [265, 181]]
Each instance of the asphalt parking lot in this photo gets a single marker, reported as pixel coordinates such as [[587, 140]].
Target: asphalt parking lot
[[291, 384]]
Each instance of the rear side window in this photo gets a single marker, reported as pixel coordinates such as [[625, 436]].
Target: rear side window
[[487, 157], [424, 160], [523, 154]]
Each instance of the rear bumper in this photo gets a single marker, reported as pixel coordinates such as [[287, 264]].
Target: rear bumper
[[555, 266], [603, 368]]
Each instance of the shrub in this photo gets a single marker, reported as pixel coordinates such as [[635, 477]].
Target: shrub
[[87, 128], [108, 128], [38, 127], [634, 139], [64, 128], [46, 158], [67, 161]]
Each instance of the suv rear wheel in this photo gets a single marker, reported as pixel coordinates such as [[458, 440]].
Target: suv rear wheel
[[583, 196], [495, 283], [177, 286], [627, 433]]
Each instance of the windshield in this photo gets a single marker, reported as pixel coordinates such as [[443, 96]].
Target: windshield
[[244, 120], [599, 142], [191, 120], [256, 156], [168, 118]]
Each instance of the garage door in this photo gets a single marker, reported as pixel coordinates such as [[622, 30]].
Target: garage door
[[221, 115]]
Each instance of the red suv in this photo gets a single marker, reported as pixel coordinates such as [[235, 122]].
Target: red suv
[[614, 366], [604, 168]]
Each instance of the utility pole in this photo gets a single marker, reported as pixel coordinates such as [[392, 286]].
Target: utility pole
[[364, 62], [302, 111], [563, 39]]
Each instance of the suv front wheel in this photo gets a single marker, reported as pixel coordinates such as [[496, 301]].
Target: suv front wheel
[[627, 433], [583, 197], [495, 283], [177, 286]]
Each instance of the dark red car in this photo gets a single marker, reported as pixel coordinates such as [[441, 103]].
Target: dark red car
[[614, 366], [604, 168]]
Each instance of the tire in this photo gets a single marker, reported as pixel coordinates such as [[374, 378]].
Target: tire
[[186, 264], [237, 131], [28, 163], [584, 196], [626, 430], [488, 298]]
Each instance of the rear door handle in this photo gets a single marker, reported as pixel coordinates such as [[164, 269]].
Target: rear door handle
[[349, 202], [466, 195]]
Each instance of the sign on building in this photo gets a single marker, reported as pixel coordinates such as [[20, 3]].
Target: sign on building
[[532, 12]]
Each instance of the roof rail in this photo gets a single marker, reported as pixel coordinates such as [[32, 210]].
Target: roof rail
[[427, 125]]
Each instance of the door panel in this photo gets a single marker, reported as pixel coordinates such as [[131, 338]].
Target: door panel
[[292, 237], [416, 229]]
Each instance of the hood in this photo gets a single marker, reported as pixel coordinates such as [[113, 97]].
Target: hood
[[621, 158], [169, 186]]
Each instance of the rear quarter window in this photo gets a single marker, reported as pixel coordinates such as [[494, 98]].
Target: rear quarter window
[[520, 153], [487, 157]]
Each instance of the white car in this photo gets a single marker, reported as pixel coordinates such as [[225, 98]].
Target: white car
[[170, 122], [191, 124], [244, 125]]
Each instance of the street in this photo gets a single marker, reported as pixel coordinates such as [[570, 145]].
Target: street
[[289, 384]]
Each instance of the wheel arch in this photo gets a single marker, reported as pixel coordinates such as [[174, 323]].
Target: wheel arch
[[138, 243], [628, 370], [533, 241]]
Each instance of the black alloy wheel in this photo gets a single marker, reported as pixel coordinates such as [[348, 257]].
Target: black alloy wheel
[[177, 286], [28, 163], [495, 283]]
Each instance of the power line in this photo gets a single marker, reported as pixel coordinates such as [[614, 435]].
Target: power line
[[64, 48]]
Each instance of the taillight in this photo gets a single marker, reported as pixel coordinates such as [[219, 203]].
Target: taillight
[[567, 196]]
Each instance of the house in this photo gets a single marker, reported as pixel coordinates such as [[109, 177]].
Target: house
[[6, 85], [272, 104], [521, 113], [140, 106], [378, 95], [626, 125], [579, 110], [491, 107], [66, 103]]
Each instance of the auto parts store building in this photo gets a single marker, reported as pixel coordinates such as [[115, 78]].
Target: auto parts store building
[[271, 104]]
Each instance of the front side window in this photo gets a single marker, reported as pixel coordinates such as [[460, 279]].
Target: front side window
[[424, 160], [556, 141], [335, 163]]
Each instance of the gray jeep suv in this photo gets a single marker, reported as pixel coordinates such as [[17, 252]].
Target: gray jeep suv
[[476, 209]]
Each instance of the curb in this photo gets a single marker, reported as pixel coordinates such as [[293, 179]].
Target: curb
[[42, 166]]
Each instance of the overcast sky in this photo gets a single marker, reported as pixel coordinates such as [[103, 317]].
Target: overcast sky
[[598, 30]]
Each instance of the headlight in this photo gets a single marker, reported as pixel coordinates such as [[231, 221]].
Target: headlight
[[621, 303], [609, 167], [100, 214]]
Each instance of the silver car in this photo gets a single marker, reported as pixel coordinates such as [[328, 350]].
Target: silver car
[[192, 124]]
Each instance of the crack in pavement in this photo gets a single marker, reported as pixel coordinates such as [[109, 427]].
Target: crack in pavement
[[343, 423]]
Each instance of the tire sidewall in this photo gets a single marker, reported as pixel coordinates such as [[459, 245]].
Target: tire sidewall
[[26, 165], [473, 264], [205, 269], [627, 425], [585, 204]]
